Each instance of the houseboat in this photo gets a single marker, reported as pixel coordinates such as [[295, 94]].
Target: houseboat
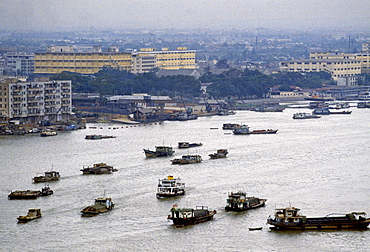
[[221, 153], [289, 218], [190, 216], [160, 151], [32, 214], [245, 130], [187, 159], [170, 187], [238, 201], [48, 177], [184, 145], [101, 205], [99, 168], [305, 116]]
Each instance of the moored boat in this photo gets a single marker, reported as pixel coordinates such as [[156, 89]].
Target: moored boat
[[221, 153], [98, 168], [48, 132], [238, 201], [170, 187], [245, 130], [101, 205], [305, 116], [187, 159], [49, 176], [33, 213], [184, 145], [289, 218], [160, 151], [190, 216]]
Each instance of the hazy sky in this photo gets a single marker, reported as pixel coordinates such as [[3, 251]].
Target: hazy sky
[[150, 14]]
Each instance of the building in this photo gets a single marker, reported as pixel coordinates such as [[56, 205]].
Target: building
[[339, 65], [33, 102], [64, 58], [19, 64]]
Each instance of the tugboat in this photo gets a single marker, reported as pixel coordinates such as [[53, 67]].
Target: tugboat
[[99, 168], [221, 153], [184, 145], [289, 218], [160, 151], [101, 205], [238, 201], [46, 191], [187, 159], [33, 214], [190, 216], [244, 130], [170, 187], [49, 176]]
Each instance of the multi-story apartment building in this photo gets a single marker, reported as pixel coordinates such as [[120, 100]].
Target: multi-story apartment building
[[64, 58], [4, 97], [339, 65], [36, 101], [19, 63]]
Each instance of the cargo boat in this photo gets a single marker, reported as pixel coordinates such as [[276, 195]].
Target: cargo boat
[[238, 201], [305, 116], [184, 145], [101, 205], [187, 159], [97, 137], [245, 130], [49, 176], [33, 213], [170, 187], [289, 218], [190, 216], [160, 151], [99, 168], [28, 194], [221, 153]]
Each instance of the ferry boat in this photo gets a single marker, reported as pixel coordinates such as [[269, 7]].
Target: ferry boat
[[99, 168], [187, 159], [160, 151], [245, 130], [49, 176], [305, 116], [33, 213], [289, 218], [221, 153], [170, 187], [101, 205], [190, 216], [238, 201], [184, 145]]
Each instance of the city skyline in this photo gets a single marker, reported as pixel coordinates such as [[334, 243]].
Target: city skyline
[[219, 14]]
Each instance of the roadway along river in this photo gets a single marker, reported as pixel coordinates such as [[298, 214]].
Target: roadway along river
[[319, 165]]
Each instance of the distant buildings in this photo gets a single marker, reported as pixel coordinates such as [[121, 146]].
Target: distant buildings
[[19, 64], [63, 58], [33, 102]]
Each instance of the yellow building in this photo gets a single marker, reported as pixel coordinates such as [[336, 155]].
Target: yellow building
[[80, 62]]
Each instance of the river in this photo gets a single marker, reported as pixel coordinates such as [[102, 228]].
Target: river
[[320, 166]]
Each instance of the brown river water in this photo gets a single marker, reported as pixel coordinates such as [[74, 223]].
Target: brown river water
[[321, 166]]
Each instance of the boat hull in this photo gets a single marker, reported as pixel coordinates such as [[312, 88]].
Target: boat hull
[[169, 195]]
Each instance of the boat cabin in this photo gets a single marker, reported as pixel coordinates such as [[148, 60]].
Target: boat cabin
[[104, 201]]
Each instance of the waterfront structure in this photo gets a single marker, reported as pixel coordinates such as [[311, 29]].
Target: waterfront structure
[[64, 58], [35, 101]]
